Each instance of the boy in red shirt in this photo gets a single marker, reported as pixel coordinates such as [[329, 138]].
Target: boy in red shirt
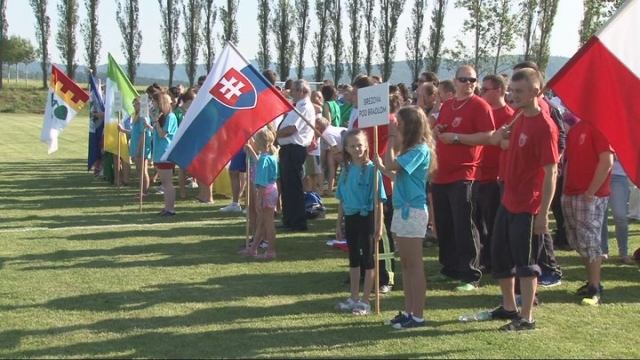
[[584, 201], [529, 185]]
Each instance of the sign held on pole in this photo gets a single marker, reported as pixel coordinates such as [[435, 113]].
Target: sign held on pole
[[373, 105], [117, 101], [144, 105]]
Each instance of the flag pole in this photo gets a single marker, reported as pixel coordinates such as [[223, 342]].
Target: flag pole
[[118, 159], [247, 188], [143, 163], [376, 212]]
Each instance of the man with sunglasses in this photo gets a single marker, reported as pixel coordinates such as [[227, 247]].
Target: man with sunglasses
[[464, 125]]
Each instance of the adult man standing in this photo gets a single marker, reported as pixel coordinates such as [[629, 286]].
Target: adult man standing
[[294, 135], [465, 123], [494, 88]]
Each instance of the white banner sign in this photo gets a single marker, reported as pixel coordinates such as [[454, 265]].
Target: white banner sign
[[144, 105], [117, 101], [373, 105]]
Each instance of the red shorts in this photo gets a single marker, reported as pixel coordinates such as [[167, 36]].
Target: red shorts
[[165, 166]]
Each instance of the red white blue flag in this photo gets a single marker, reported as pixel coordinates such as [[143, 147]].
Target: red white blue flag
[[234, 102], [601, 83]]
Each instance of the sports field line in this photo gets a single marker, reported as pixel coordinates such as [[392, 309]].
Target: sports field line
[[111, 226]]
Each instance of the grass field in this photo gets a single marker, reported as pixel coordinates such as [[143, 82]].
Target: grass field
[[83, 274]]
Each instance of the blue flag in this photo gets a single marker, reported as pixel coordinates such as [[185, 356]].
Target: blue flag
[[96, 124]]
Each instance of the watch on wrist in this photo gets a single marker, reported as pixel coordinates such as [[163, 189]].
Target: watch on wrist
[[456, 139]]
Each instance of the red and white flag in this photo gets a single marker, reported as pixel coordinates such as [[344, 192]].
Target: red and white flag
[[601, 84]]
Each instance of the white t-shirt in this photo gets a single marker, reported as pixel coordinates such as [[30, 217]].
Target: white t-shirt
[[276, 122], [304, 135], [352, 118], [333, 134]]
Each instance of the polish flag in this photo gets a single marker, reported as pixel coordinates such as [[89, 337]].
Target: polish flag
[[601, 83]]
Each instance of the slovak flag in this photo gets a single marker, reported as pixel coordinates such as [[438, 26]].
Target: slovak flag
[[234, 102], [601, 83]]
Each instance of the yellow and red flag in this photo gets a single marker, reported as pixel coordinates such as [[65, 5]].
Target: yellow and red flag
[[64, 100]]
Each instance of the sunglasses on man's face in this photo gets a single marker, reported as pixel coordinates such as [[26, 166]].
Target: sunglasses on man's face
[[470, 80]]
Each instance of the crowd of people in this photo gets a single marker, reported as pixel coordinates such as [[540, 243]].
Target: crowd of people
[[477, 164]]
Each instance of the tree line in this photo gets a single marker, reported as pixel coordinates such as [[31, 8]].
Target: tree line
[[491, 29]]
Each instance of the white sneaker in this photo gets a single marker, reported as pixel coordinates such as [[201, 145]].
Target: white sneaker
[[232, 208], [192, 185]]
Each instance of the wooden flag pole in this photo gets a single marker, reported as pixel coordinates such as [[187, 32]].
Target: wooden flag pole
[[376, 212], [247, 188], [118, 162], [143, 163]]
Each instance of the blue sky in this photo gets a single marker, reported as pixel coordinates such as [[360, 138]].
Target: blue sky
[[564, 40]]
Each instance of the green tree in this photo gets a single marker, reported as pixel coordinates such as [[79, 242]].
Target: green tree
[[17, 50], [4, 25], [355, 32], [528, 11], [592, 19], [436, 35], [479, 25], [91, 34], [264, 48], [416, 48], [129, 22], [370, 23], [170, 27], [303, 8], [66, 38], [390, 11], [546, 18], [192, 38], [336, 67], [505, 27], [321, 38], [43, 32], [229, 22], [209, 20], [282, 25]]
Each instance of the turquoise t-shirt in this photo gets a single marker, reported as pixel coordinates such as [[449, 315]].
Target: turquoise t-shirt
[[411, 180], [160, 144], [136, 136], [266, 170], [355, 189]]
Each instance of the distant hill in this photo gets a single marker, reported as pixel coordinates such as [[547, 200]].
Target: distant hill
[[150, 73]]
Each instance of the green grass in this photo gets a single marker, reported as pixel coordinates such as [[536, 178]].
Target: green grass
[[83, 274]]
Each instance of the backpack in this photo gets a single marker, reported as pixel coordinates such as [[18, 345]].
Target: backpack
[[313, 205]]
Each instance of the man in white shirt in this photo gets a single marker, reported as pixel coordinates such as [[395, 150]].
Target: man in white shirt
[[294, 135]]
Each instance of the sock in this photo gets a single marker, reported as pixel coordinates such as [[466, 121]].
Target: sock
[[417, 319], [406, 314], [234, 204]]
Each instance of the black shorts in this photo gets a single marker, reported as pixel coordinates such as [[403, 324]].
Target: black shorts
[[512, 245]]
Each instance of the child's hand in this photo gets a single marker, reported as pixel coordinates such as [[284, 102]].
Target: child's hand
[[339, 235], [378, 163], [120, 128], [378, 234]]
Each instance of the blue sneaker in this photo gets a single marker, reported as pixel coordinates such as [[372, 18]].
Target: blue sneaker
[[549, 279]]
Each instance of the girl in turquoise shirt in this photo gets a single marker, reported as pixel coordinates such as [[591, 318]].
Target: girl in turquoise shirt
[[410, 169], [140, 128], [362, 231], [165, 127], [266, 198]]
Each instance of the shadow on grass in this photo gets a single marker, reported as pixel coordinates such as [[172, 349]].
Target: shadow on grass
[[247, 338]]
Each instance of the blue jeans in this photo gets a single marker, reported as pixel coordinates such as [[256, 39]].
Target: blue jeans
[[619, 207]]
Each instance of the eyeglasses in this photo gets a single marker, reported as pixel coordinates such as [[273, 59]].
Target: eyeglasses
[[470, 80]]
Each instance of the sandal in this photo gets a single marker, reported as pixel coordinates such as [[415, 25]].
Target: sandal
[[267, 256], [247, 252], [361, 309], [347, 305]]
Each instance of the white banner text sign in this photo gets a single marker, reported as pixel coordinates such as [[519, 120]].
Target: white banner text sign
[[373, 105]]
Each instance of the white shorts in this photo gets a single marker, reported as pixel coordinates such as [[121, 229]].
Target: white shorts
[[414, 227]]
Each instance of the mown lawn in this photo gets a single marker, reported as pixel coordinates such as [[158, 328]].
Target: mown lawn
[[83, 274]]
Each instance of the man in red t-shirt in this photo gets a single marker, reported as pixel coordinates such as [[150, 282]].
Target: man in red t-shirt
[[584, 200], [464, 124], [529, 184], [494, 88]]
